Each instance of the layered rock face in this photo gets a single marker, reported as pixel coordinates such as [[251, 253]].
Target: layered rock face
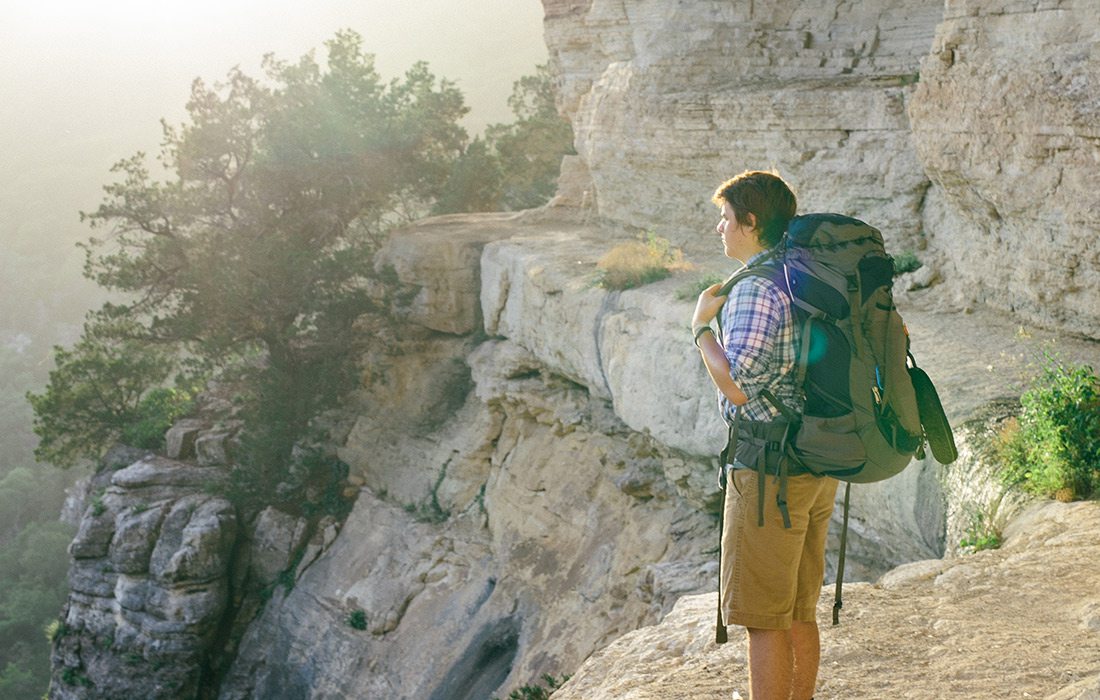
[[965, 131], [533, 489], [510, 523], [1006, 122], [669, 99], [148, 585]]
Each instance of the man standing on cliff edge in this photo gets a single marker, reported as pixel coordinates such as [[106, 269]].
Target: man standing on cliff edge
[[771, 575]]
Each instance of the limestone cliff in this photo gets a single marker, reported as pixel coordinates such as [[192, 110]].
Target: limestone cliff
[[966, 130]]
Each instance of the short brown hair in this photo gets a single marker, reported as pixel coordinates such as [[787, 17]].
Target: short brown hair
[[766, 196]]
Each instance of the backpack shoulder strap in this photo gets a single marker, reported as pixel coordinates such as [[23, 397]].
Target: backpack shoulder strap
[[766, 267]]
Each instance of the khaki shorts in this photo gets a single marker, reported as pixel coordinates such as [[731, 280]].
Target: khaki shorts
[[772, 575]]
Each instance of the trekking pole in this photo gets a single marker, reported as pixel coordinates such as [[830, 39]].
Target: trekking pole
[[838, 603]]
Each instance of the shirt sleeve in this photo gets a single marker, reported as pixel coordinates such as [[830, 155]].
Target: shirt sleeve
[[751, 321]]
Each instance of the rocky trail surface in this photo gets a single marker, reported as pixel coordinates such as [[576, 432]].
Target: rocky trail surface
[[1019, 622]]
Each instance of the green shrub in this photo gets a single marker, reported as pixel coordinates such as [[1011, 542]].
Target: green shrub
[[906, 261], [982, 533], [634, 263], [1053, 449], [357, 620]]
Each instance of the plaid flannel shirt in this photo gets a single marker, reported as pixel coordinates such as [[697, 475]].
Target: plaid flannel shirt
[[761, 345]]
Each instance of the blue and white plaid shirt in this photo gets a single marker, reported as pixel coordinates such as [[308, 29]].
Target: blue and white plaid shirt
[[761, 345]]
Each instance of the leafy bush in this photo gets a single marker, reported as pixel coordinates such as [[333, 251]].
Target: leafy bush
[[982, 533], [634, 263], [97, 391], [516, 166], [906, 262], [357, 620], [1053, 449]]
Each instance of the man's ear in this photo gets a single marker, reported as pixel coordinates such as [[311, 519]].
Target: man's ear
[[750, 219]]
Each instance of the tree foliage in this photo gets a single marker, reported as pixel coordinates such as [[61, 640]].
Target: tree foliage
[[256, 252], [516, 166], [95, 394]]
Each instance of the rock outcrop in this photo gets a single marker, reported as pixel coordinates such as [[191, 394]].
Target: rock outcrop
[[668, 99], [535, 489], [965, 130], [1021, 621], [149, 584], [1006, 123]]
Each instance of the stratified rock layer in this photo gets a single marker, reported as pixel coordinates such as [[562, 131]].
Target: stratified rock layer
[[1006, 122], [965, 130], [668, 99], [148, 585]]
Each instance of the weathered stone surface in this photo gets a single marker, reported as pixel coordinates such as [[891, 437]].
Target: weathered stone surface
[[669, 99], [158, 471], [195, 540], [538, 292], [447, 277], [410, 395], [533, 575], [986, 625], [180, 438], [276, 536], [135, 536], [965, 131], [1005, 123], [93, 537], [148, 586], [212, 447]]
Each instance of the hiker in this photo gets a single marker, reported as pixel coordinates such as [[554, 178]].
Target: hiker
[[771, 575]]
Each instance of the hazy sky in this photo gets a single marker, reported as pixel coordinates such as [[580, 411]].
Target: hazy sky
[[96, 75]]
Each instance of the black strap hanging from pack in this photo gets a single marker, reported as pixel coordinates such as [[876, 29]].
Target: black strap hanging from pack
[[838, 602], [721, 636]]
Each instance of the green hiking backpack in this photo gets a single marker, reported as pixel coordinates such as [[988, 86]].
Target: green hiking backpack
[[869, 409]]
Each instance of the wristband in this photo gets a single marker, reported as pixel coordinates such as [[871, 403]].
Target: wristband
[[699, 331]]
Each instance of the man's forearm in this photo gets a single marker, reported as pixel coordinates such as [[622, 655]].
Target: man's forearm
[[719, 369]]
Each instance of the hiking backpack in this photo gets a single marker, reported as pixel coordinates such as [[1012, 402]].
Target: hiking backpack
[[869, 409]]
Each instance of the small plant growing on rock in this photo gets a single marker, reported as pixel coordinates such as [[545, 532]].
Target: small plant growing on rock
[[73, 676], [55, 630], [982, 532], [357, 620], [1053, 449], [634, 263], [98, 506], [906, 261], [538, 691], [691, 292]]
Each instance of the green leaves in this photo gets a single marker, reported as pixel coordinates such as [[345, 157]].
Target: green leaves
[[516, 165], [96, 391], [1054, 447], [259, 242]]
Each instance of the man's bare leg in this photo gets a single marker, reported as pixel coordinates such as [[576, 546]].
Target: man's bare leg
[[771, 664], [806, 644]]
